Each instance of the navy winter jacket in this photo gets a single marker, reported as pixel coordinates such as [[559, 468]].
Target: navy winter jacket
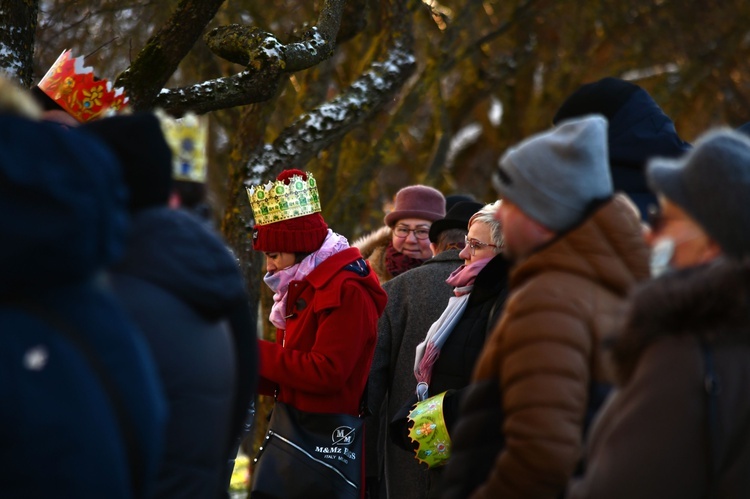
[[184, 290], [63, 220]]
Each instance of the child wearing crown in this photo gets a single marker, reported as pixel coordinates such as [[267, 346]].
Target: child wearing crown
[[327, 302]]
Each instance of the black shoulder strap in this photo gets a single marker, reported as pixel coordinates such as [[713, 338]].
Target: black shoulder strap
[[129, 435], [711, 384]]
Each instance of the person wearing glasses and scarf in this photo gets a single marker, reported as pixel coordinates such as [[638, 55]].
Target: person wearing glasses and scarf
[[445, 359], [404, 243]]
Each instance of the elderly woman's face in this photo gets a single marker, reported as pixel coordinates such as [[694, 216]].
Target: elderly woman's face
[[411, 236], [480, 237]]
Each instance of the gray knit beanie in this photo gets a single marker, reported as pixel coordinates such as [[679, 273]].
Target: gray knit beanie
[[712, 184], [417, 201], [555, 176]]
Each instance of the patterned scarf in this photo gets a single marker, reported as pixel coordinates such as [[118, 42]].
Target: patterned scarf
[[397, 263], [279, 280], [462, 279]]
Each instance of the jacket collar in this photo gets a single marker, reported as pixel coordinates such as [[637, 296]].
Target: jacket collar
[[711, 301]]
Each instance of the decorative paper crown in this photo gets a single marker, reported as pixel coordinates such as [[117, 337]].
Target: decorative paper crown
[[74, 87], [187, 138], [277, 201], [428, 430]]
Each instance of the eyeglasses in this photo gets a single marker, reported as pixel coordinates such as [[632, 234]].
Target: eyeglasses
[[402, 232], [473, 244]]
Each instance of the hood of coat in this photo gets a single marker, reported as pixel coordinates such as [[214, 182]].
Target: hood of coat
[[368, 243], [607, 248], [175, 251], [63, 204], [711, 301], [639, 131]]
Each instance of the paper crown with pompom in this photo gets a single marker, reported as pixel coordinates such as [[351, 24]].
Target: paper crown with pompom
[[277, 201], [187, 137], [74, 88]]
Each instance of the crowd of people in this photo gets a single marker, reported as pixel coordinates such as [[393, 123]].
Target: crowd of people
[[586, 334]]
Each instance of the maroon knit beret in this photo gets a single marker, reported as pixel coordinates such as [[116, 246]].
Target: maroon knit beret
[[417, 201], [303, 234]]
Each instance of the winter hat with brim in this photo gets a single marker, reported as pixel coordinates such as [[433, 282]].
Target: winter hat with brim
[[457, 218], [712, 184], [417, 201], [556, 176], [301, 234]]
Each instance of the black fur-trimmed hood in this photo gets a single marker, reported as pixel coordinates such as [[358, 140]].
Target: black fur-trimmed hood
[[711, 301]]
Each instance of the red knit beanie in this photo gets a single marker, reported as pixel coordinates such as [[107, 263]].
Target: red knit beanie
[[303, 234]]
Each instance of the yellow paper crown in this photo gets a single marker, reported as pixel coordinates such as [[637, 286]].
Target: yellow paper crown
[[428, 430], [74, 87], [187, 137], [277, 201]]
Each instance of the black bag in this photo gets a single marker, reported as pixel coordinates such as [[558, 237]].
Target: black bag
[[309, 455]]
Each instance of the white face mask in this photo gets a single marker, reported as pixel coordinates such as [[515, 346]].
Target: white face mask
[[661, 256]]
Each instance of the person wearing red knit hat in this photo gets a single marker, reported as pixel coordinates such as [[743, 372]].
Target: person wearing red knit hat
[[327, 302]]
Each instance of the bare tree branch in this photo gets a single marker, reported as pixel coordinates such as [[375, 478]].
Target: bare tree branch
[[244, 88], [159, 59], [313, 131]]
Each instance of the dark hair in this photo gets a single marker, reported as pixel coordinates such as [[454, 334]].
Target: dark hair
[[298, 257], [451, 238], [191, 193]]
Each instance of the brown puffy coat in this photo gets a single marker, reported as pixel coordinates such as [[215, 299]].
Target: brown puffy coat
[[564, 300]]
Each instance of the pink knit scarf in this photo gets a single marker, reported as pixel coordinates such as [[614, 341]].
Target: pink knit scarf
[[279, 280]]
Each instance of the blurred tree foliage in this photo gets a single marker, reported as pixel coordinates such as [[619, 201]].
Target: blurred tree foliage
[[410, 91], [488, 73]]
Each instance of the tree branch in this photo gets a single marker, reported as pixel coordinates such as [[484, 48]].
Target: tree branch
[[313, 131], [158, 60]]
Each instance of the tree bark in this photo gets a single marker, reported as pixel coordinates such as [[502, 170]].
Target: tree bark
[[17, 39]]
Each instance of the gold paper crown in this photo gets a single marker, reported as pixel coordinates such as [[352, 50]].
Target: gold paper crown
[[277, 201], [74, 87], [187, 138], [429, 432]]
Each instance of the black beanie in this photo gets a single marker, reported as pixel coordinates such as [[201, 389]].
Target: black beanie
[[604, 97], [146, 159]]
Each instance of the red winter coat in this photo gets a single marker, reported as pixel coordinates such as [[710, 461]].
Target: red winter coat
[[321, 361]]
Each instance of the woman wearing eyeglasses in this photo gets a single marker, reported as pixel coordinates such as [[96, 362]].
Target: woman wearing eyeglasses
[[404, 243], [445, 359]]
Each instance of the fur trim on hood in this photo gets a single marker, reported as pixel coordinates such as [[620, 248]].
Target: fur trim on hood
[[711, 301], [375, 239], [372, 246]]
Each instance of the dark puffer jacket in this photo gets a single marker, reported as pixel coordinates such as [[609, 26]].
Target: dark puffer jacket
[[183, 288], [64, 220]]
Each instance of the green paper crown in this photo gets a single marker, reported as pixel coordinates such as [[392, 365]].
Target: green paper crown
[[277, 201], [429, 432]]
